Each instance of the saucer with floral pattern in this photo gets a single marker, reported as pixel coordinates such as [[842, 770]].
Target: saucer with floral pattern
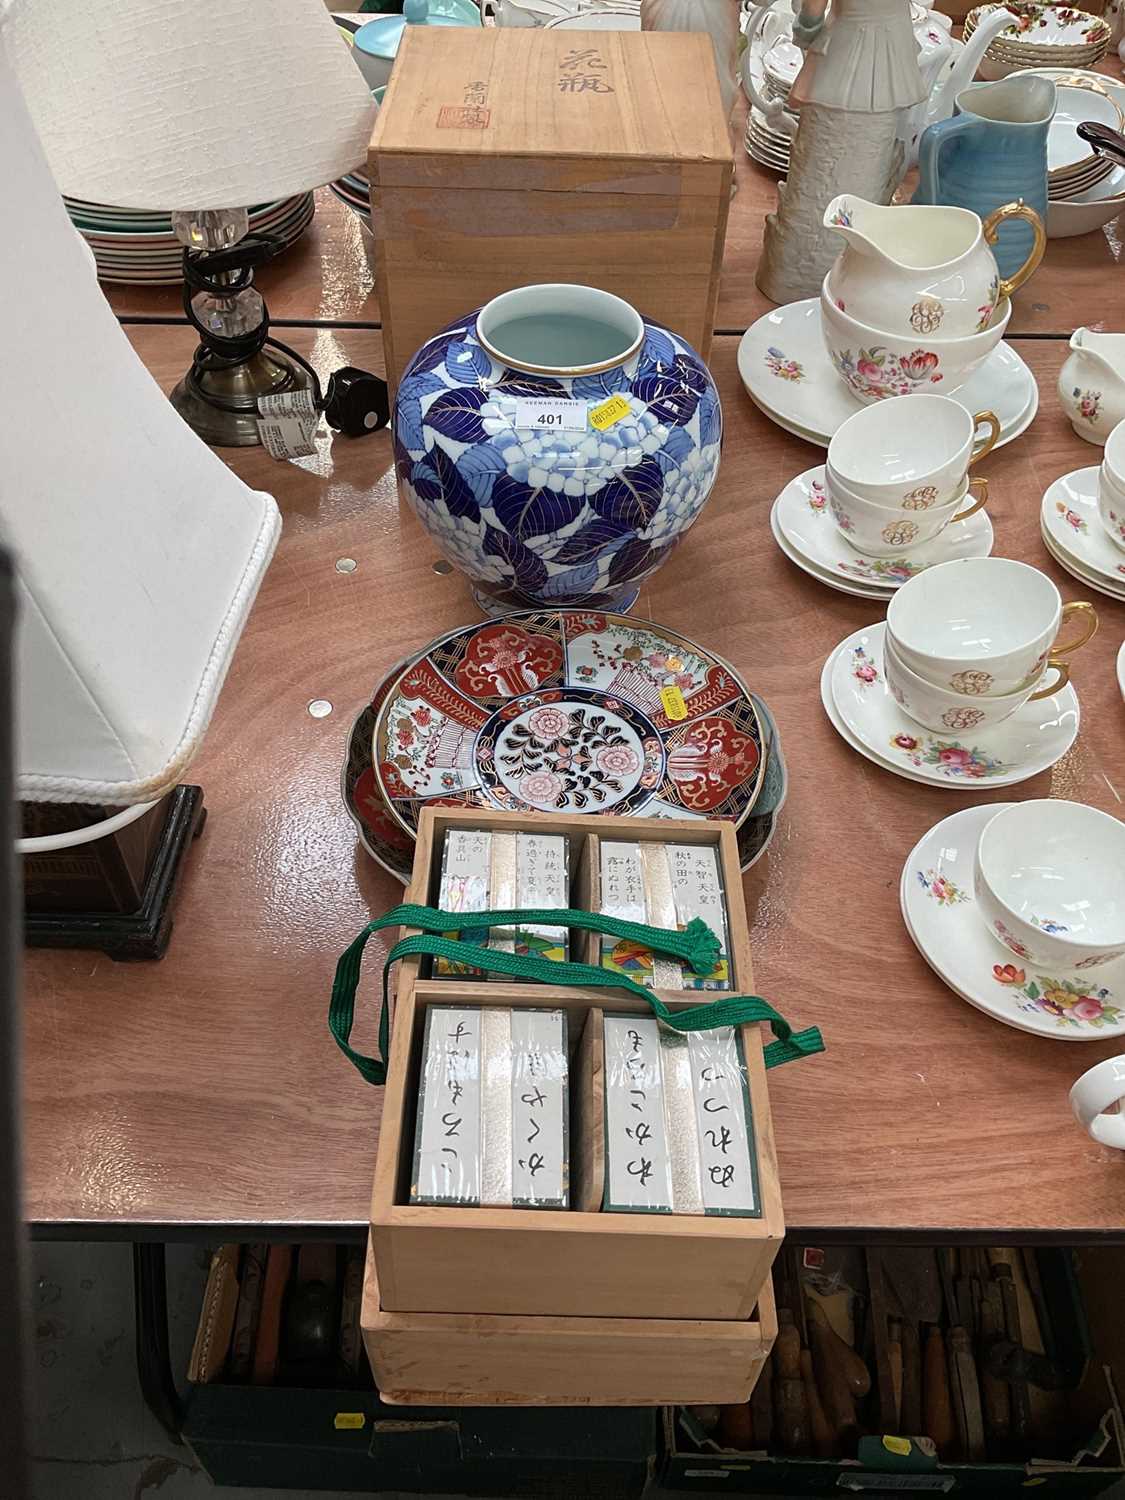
[[1075, 535], [785, 368], [941, 915], [837, 581], [1035, 737], [803, 514]]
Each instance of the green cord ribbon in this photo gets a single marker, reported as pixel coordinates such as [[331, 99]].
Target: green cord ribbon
[[696, 945]]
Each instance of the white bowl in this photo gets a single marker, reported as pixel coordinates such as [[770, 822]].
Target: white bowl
[[877, 531], [875, 365], [982, 625], [947, 712], [908, 457], [1049, 877]]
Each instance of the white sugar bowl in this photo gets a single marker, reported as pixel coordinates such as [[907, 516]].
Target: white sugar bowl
[[1049, 877]]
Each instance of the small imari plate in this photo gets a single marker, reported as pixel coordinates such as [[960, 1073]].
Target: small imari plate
[[1071, 524], [942, 917], [1034, 738], [803, 515]]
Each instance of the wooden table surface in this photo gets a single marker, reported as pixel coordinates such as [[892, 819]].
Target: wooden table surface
[[206, 1090]]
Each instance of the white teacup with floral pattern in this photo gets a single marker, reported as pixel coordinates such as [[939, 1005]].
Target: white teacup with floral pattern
[[1049, 878], [909, 457], [875, 364], [948, 712], [877, 531], [1111, 486], [983, 625]]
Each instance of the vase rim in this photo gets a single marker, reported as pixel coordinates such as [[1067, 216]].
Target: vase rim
[[561, 297]]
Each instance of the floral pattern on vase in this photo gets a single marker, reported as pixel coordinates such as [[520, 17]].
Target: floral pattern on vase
[[879, 373], [1073, 1005], [941, 889], [556, 517], [954, 761]]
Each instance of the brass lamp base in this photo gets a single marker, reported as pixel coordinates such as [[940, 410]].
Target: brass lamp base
[[220, 401]]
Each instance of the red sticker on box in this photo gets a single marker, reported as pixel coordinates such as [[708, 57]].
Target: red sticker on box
[[463, 117]]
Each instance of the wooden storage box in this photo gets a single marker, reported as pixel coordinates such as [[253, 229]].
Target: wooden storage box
[[565, 1263], [504, 157], [455, 1359]]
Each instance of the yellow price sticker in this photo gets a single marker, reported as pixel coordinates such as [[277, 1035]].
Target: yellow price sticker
[[350, 1421], [672, 701], [609, 413], [901, 1446]]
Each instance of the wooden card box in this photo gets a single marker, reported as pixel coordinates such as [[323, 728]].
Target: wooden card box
[[505, 157], [566, 1263], [454, 1359]]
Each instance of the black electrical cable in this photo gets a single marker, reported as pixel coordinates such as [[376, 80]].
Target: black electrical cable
[[202, 270], [356, 402]]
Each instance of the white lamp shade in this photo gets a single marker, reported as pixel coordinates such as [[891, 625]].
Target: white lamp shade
[[138, 552], [189, 104]]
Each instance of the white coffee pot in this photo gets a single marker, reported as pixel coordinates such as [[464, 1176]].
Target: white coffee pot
[[1092, 383]]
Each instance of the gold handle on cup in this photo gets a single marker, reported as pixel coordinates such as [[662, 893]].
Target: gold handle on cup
[[982, 485], [990, 420], [1078, 609], [1063, 669], [1017, 210]]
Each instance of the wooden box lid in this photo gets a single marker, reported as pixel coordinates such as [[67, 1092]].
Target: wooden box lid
[[481, 108]]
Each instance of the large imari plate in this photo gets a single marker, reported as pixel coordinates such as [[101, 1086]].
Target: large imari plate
[[569, 712], [390, 846], [942, 917]]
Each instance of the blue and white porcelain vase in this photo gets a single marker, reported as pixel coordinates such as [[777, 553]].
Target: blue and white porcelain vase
[[556, 446]]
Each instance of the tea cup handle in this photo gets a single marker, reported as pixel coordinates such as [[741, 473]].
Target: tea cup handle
[[1063, 669], [982, 485], [990, 228], [1087, 612], [1098, 1088], [990, 420]]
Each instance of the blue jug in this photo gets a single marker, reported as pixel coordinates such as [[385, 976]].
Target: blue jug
[[992, 151]]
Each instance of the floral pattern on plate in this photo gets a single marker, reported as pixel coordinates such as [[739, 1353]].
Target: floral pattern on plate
[[569, 711], [1075, 532], [864, 669], [896, 570], [877, 372], [1071, 517], [1071, 1004], [948, 757], [940, 888], [784, 369], [818, 498]]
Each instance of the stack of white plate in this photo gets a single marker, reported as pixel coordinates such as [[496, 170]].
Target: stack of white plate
[[1075, 537], [772, 63], [134, 246], [1041, 36], [1073, 166], [1090, 207]]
